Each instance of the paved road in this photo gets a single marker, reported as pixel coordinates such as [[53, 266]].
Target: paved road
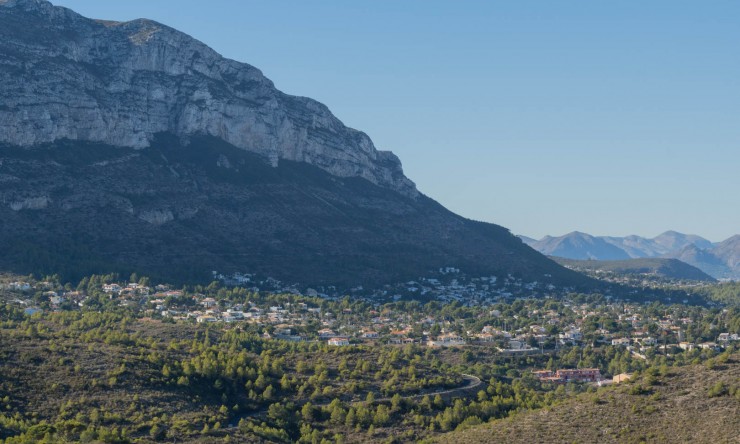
[[471, 382]]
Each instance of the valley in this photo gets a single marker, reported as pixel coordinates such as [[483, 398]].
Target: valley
[[189, 254], [139, 361]]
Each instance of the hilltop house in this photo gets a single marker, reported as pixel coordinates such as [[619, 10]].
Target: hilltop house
[[569, 375]]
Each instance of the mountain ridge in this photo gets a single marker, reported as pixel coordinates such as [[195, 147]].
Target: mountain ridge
[[720, 260]]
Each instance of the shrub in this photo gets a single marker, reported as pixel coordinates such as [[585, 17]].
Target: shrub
[[717, 389]]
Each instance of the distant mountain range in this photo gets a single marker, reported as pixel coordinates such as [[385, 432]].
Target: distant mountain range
[[720, 260]]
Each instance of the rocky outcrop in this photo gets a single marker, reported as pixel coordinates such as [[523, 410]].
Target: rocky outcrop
[[157, 217], [64, 76], [31, 203]]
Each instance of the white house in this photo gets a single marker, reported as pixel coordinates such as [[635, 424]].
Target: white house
[[727, 337], [205, 318], [447, 340], [208, 302], [112, 288], [326, 333], [338, 341]]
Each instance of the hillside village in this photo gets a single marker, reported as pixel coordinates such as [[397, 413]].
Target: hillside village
[[280, 366], [500, 321]]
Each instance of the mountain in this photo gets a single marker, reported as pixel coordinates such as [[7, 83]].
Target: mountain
[[673, 241], [660, 267], [578, 245], [721, 260], [130, 146], [729, 252], [636, 246], [527, 240], [68, 77]]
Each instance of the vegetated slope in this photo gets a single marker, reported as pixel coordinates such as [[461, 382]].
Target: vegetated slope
[[693, 404], [103, 377], [727, 293], [177, 212], [661, 267]]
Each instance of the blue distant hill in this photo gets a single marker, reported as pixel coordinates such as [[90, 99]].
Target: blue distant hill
[[719, 260]]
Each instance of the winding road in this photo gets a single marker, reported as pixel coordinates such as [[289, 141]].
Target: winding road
[[471, 382]]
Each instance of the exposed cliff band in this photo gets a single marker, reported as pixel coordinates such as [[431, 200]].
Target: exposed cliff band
[[65, 76]]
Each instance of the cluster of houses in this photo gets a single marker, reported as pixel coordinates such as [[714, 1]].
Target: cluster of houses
[[447, 284], [540, 328], [563, 376], [55, 298], [580, 375]]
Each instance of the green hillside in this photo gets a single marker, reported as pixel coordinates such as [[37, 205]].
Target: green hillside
[[697, 404]]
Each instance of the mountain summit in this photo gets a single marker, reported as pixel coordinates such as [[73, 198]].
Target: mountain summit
[[130, 146]]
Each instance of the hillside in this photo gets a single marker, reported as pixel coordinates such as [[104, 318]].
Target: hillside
[[113, 379], [174, 212], [691, 404], [722, 260], [659, 267], [704, 259], [144, 150]]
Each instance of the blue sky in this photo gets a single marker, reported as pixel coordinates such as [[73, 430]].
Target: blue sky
[[544, 117]]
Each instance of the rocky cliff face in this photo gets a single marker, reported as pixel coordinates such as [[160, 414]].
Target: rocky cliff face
[[64, 76]]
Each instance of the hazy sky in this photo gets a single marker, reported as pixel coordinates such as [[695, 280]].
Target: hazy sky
[[543, 116]]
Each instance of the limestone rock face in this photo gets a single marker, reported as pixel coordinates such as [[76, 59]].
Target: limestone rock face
[[64, 76]]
